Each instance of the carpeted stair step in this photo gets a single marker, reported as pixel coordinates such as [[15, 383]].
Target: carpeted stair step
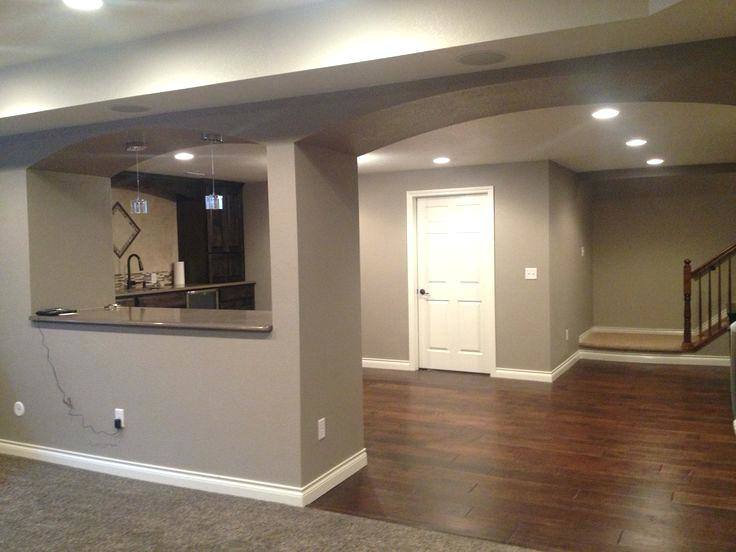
[[639, 342]]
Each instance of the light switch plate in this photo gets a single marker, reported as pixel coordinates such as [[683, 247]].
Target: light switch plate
[[530, 273]]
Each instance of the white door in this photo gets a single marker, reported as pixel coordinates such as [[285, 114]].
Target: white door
[[454, 282]]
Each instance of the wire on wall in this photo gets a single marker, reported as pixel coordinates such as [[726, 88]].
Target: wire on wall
[[66, 399]]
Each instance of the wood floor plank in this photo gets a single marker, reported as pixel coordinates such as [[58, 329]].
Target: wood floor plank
[[609, 457]]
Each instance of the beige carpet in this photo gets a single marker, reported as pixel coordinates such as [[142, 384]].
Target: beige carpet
[[640, 342]]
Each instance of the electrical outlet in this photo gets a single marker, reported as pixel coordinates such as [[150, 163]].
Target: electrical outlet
[[567, 334], [530, 273], [582, 251], [119, 416], [321, 429]]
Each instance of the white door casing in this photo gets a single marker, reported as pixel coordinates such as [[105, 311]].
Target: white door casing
[[450, 252]]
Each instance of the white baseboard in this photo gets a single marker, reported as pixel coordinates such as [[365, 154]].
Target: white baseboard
[[333, 477], [524, 375], [538, 375], [655, 358], [387, 364], [246, 488]]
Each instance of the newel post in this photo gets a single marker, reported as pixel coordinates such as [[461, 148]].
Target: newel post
[[687, 279]]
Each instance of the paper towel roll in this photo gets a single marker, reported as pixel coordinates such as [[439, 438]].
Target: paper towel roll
[[179, 274]]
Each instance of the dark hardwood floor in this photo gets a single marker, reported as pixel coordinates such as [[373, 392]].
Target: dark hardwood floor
[[609, 457]]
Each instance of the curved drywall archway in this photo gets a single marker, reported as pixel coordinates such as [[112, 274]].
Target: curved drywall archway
[[684, 73]]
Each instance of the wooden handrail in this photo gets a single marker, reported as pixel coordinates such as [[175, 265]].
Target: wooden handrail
[[707, 298], [709, 265]]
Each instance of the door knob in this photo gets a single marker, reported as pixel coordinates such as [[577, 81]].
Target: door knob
[[423, 292]]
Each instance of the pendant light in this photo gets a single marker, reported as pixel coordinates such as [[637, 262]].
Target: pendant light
[[212, 202], [139, 206]]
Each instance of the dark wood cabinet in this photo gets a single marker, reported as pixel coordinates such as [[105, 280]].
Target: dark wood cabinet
[[172, 299], [230, 297], [238, 297], [211, 242], [225, 227]]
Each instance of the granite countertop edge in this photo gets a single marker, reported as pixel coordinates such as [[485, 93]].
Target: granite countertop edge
[[235, 321]]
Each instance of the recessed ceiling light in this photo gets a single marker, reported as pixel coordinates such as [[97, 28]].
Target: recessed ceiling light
[[441, 160], [655, 161], [84, 5], [479, 59], [605, 113], [636, 142], [184, 156]]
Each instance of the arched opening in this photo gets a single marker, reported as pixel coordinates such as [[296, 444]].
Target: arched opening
[[606, 234], [177, 253]]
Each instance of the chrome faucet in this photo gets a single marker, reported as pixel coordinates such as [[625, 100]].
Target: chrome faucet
[[129, 283]]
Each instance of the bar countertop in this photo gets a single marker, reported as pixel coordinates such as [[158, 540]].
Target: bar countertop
[[198, 319]]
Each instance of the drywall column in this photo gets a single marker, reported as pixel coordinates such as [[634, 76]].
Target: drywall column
[[325, 200]]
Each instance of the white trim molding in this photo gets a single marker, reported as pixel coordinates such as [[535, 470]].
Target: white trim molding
[[679, 359], [388, 364], [411, 257], [235, 486], [538, 375]]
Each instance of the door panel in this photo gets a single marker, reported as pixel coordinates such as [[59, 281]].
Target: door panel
[[454, 256]]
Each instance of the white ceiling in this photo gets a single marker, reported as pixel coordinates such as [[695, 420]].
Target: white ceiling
[[38, 29], [329, 46], [680, 133]]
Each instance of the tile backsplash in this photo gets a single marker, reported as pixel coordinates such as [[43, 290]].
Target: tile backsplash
[[165, 278]]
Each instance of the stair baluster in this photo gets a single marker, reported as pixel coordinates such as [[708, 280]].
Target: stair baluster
[[712, 328]]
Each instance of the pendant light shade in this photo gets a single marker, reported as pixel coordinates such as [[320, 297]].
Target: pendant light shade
[[139, 206], [213, 201]]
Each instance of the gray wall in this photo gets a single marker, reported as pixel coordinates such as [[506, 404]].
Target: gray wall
[[257, 244], [70, 240], [643, 229], [329, 297], [571, 273], [521, 199]]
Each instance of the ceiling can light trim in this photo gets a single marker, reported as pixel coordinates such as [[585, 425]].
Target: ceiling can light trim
[[635, 142], [84, 5], [183, 156], [605, 113], [441, 160], [655, 161]]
